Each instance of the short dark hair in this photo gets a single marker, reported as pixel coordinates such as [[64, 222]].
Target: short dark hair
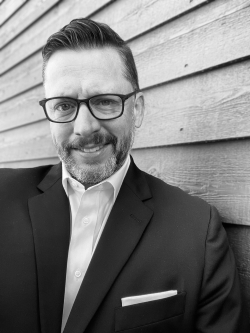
[[84, 33]]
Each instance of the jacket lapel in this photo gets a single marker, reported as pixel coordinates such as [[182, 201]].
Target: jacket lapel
[[50, 218], [125, 226]]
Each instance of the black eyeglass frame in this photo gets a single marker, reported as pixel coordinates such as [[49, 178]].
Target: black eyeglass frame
[[86, 101]]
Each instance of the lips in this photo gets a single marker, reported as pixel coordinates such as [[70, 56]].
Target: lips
[[92, 149]]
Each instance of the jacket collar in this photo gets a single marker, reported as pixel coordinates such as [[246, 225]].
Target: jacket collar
[[134, 178], [50, 217], [51, 178]]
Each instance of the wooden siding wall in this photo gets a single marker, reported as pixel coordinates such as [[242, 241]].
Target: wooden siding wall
[[193, 58]]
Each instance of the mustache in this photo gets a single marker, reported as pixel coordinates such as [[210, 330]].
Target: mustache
[[96, 139]]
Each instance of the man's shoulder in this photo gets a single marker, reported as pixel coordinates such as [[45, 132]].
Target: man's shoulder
[[172, 195], [22, 178], [180, 209], [24, 172]]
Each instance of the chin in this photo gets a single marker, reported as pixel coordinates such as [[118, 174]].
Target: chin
[[91, 173]]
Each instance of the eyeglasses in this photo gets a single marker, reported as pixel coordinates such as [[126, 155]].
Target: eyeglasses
[[102, 107]]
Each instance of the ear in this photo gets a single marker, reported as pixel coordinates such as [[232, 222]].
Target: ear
[[139, 109]]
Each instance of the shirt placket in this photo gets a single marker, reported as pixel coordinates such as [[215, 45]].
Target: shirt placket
[[80, 250]]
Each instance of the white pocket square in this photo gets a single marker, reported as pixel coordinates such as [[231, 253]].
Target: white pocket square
[[147, 298]]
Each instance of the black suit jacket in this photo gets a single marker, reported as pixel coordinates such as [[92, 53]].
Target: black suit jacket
[[157, 238]]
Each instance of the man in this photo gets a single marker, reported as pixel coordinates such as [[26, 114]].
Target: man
[[93, 244]]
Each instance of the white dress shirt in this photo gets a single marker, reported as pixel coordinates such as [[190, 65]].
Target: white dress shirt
[[89, 212]]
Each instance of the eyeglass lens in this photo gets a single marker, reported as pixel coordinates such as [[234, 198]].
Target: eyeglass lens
[[103, 107]]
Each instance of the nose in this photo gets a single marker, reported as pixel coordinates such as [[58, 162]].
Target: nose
[[85, 124]]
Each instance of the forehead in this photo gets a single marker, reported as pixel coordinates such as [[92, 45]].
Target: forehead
[[99, 69]]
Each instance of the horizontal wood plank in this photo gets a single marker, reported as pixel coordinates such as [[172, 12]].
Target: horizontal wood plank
[[222, 41], [27, 15], [187, 23], [29, 142], [217, 172], [8, 8], [21, 78], [228, 36], [132, 18], [206, 107], [22, 109], [35, 37], [239, 239]]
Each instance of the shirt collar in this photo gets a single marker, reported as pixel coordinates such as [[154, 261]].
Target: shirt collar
[[115, 180]]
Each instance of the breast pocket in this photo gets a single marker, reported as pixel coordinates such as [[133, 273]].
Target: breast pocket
[[134, 316]]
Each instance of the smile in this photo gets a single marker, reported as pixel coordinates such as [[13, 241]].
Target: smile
[[92, 150]]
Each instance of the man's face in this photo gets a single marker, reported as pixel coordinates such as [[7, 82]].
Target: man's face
[[91, 149]]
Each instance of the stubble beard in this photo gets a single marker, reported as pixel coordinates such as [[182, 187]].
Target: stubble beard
[[91, 174]]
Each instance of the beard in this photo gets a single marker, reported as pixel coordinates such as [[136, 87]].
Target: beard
[[94, 173]]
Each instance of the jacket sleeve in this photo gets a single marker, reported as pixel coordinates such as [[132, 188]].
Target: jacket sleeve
[[220, 309]]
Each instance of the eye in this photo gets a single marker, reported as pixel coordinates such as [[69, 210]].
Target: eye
[[105, 102], [64, 107]]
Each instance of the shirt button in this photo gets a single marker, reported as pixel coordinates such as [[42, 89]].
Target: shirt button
[[78, 274], [74, 183], [85, 220]]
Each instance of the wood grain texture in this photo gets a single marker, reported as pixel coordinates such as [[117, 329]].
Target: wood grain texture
[[27, 143], [223, 40], [21, 78], [214, 44], [132, 18], [206, 107], [34, 38], [217, 172], [121, 15], [187, 23], [22, 109], [128, 20], [8, 8], [27, 15], [239, 239]]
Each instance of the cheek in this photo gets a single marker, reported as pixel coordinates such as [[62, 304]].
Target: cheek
[[122, 126], [60, 132], [118, 130]]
